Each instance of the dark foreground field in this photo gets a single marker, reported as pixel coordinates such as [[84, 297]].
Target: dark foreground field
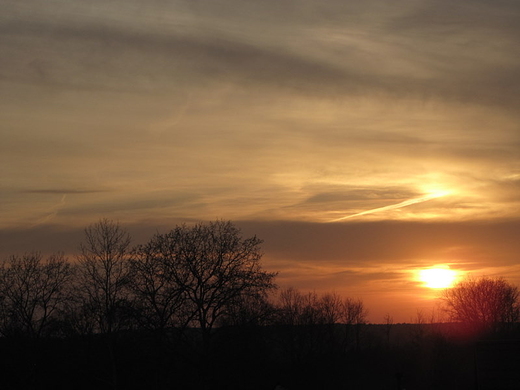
[[400, 356]]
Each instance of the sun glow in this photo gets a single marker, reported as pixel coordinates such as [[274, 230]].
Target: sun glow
[[435, 192], [438, 277]]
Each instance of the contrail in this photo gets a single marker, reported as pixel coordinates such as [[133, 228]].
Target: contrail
[[390, 207]]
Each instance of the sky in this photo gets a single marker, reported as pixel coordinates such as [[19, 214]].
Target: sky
[[362, 141]]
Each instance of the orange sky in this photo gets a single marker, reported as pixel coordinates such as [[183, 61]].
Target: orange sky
[[361, 140]]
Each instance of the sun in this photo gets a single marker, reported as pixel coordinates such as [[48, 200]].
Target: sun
[[438, 277]]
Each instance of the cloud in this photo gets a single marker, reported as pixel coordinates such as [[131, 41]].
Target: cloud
[[61, 191], [341, 193], [259, 110], [423, 51], [354, 248], [73, 57], [365, 244], [149, 202]]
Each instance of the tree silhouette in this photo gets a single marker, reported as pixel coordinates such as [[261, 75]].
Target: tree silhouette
[[389, 322], [214, 267], [324, 324], [485, 302], [103, 273], [257, 310], [296, 308], [354, 312], [159, 294], [102, 290], [291, 306], [32, 291]]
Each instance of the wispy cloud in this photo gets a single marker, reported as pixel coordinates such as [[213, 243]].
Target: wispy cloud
[[62, 191]]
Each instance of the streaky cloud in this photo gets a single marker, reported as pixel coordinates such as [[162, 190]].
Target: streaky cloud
[[63, 191]]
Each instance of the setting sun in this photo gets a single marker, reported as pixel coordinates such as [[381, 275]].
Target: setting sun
[[437, 277]]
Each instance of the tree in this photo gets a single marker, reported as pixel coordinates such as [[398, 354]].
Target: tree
[[354, 312], [354, 315], [32, 292], [331, 307], [214, 267], [103, 273], [250, 311], [389, 322], [103, 283], [312, 309], [314, 324], [484, 302], [159, 293], [291, 306]]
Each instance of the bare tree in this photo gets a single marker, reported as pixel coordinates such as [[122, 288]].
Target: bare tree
[[312, 309], [307, 309], [79, 314], [290, 306], [354, 312], [32, 291], [354, 316], [158, 287], [331, 307], [103, 278], [389, 322], [214, 266], [311, 313], [312, 322], [484, 302], [103, 273], [302, 316], [250, 310]]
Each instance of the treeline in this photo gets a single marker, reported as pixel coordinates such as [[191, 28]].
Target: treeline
[[202, 276], [191, 276], [157, 315]]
